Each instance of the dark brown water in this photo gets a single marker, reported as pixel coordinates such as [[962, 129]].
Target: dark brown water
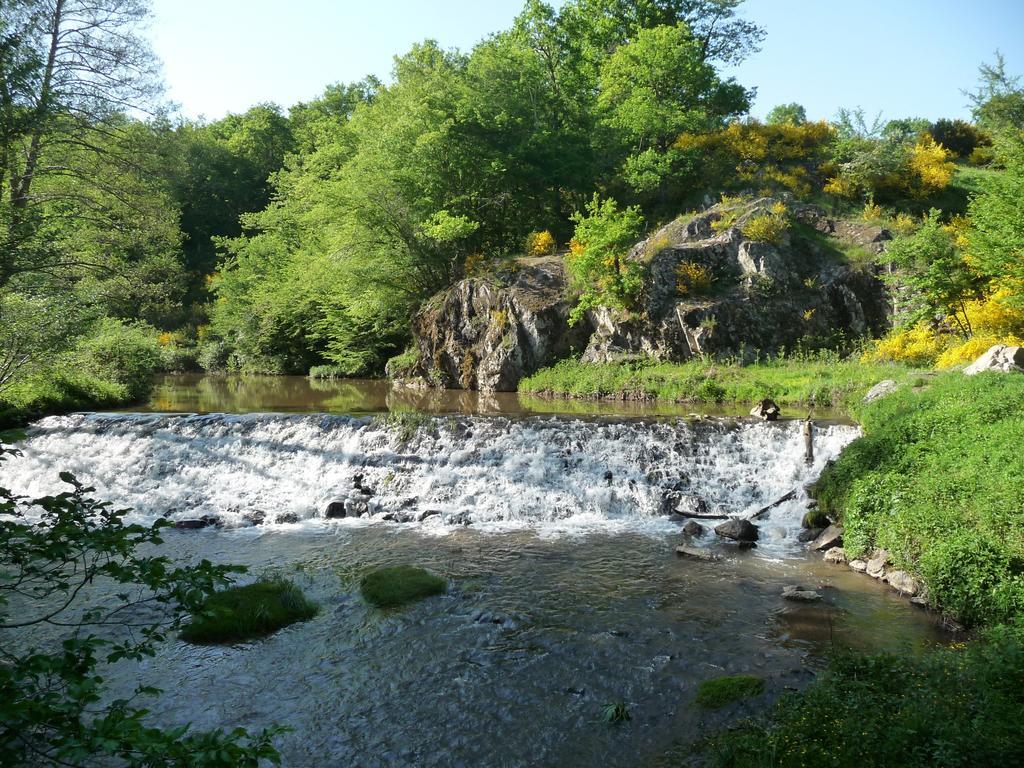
[[201, 393]]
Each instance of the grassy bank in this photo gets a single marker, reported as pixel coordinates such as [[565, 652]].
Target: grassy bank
[[821, 380], [938, 481], [46, 394]]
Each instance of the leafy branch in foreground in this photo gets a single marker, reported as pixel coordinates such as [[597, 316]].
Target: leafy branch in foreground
[[53, 707]]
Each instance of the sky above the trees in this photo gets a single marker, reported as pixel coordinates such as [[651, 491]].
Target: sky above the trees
[[905, 58]]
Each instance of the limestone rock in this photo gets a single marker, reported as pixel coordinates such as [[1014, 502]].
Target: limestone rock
[[860, 566], [829, 538], [877, 562], [738, 530], [799, 594], [835, 555], [809, 534], [903, 583], [696, 553], [880, 390], [1000, 358]]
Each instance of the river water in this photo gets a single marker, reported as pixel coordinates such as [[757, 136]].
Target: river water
[[565, 592]]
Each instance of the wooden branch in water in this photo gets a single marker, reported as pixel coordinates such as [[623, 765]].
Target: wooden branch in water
[[765, 510]]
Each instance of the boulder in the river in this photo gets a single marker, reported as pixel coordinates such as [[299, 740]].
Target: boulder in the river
[[835, 555], [880, 390], [766, 410], [696, 553], [357, 505], [254, 517], [738, 530], [335, 510], [1000, 358], [830, 537], [196, 524], [903, 583], [877, 562], [809, 534], [858, 565], [286, 518], [693, 529], [675, 502], [814, 518], [799, 594]]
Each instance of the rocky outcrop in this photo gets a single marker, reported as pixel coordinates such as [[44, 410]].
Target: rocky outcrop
[[1000, 358], [488, 332], [881, 389]]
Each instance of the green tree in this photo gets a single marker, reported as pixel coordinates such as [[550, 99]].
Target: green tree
[[787, 114], [53, 711], [598, 260], [998, 103]]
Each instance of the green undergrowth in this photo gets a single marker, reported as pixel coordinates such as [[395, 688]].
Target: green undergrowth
[[716, 693], [937, 480], [950, 707], [244, 613], [393, 587], [43, 395], [822, 380]]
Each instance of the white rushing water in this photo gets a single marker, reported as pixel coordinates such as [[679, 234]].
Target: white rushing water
[[555, 475]]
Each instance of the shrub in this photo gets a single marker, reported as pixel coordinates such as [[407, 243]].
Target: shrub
[[329, 372], [932, 165], [243, 613], [716, 693], [919, 345], [948, 707], [127, 355], [766, 229], [540, 243], [393, 587], [692, 279], [958, 136]]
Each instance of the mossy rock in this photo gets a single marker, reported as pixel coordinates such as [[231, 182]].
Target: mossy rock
[[716, 693], [256, 610], [392, 587], [11, 436]]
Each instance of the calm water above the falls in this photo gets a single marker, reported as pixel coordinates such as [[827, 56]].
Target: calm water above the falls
[[565, 594]]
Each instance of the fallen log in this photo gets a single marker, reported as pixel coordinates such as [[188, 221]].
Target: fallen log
[[765, 510]]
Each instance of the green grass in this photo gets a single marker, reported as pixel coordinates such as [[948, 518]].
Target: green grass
[[938, 481], [11, 436], [819, 380], [393, 587], [716, 693], [243, 613], [950, 707], [41, 395]]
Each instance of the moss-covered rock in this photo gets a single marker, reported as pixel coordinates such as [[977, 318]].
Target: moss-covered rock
[[243, 613], [716, 693], [393, 587]]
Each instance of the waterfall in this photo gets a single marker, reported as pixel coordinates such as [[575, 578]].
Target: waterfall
[[556, 475]]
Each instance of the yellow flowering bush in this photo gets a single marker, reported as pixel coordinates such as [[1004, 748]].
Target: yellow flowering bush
[[473, 263], [692, 279], [932, 164], [841, 186], [540, 243], [973, 348], [765, 229], [919, 345], [872, 211]]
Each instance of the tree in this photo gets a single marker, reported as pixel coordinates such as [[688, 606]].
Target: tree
[[70, 68], [996, 238], [787, 114], [656, 87], [939, 280], [53, 711], [998, 103], [597, 256], [958, 136]]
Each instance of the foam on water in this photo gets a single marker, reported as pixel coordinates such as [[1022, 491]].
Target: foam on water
[[549, 474]]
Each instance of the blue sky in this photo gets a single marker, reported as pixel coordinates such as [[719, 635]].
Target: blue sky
[[901, 57]]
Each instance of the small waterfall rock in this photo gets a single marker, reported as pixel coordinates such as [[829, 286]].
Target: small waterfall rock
[[696, 553], [830, 537], [693, 528], [335, 510], [742, 531], [835, 555], [809, 534], [766, 410], [903, 583], [799, 594]]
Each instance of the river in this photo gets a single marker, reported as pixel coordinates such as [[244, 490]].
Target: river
[[565, 592]]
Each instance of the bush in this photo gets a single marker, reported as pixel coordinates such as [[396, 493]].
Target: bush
[[329, 372], [393, 587], [692, 279], [958, 136], [716, 693], [540, 243], [937, 479], [919, 345], [950, 707], [127, 355], [766, 229], [256, 610]]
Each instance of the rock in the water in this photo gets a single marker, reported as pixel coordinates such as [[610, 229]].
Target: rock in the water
[[256, 517], [903, 583], [196, 524], [814, 518], [766, 410], [835, 555], [1000, 358], [860, 566], [286, 518], [738, 530], [830, 537], [693, 528], [335, 510], [880, 390], [799, 594], [809, 534], [877, 562], [696, 553]]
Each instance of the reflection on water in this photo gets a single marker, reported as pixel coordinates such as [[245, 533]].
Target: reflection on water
[[199, 393]]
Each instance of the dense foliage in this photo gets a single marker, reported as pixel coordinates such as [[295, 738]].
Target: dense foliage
[[937, 480], [54, 710]]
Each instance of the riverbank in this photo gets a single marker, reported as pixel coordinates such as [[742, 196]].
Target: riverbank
[[48, 395], [808, 381]]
